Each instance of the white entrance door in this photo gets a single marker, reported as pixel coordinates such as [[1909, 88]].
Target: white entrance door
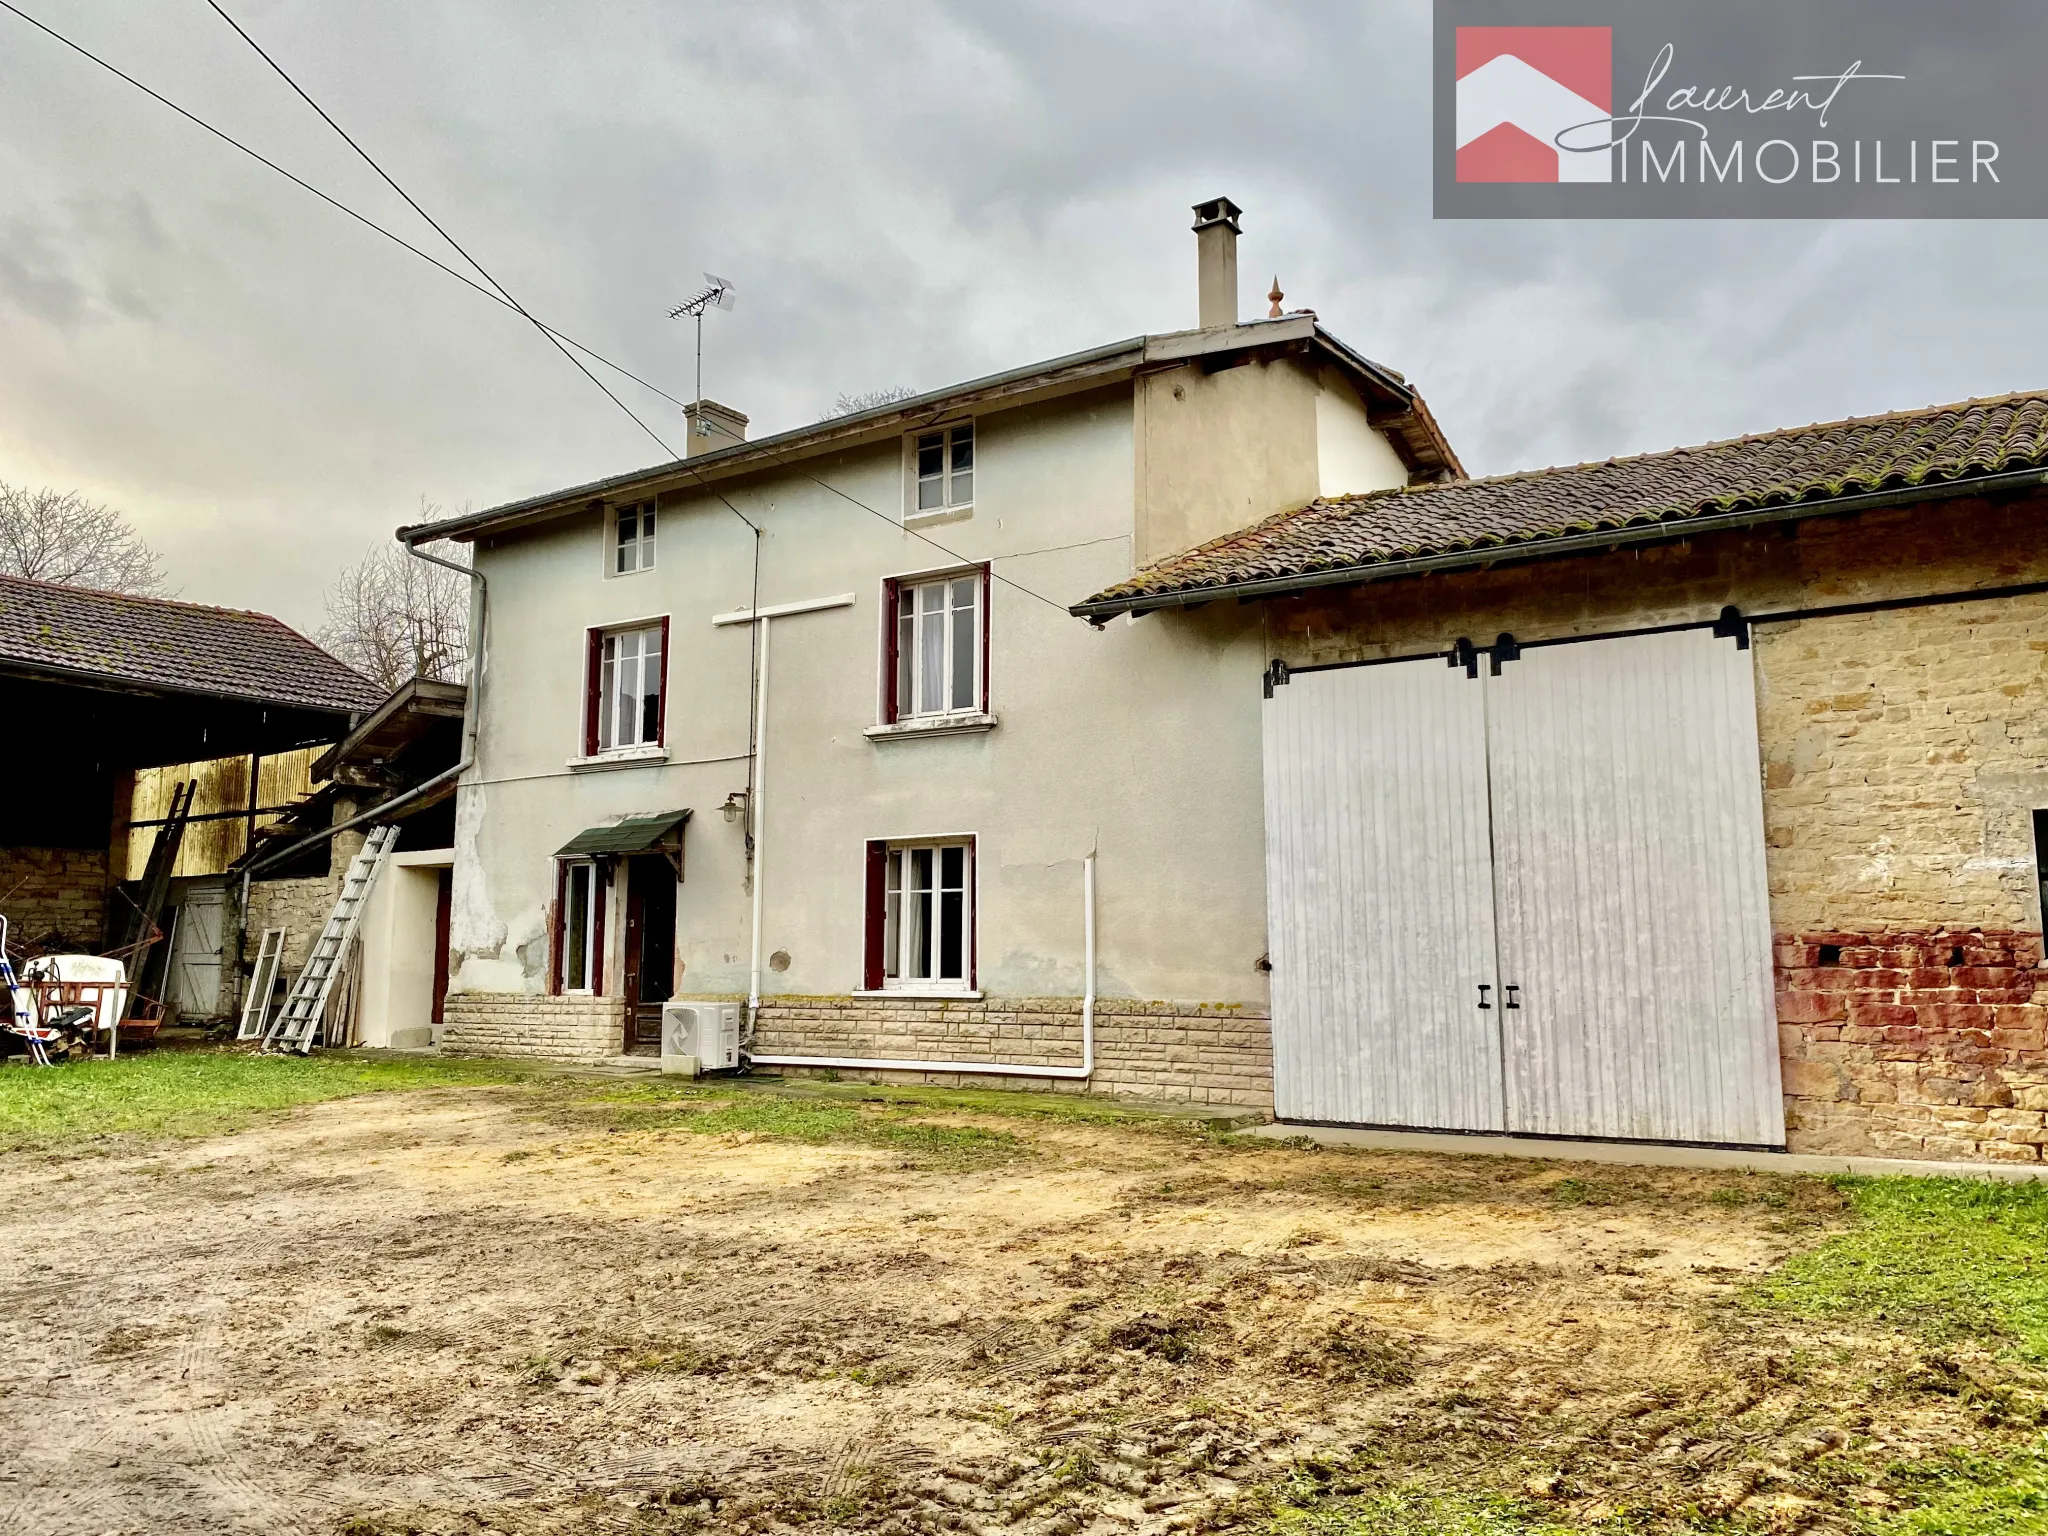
[[196, 953], [1380, 899], [1633, 910]]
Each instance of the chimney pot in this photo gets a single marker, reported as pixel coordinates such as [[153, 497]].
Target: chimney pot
[[711, 427], [1216, 234]]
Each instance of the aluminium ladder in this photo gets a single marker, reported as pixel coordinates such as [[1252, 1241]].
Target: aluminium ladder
[[298, 1022]]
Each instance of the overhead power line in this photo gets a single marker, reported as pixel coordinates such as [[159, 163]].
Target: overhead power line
[[717, 290], [454, 244], [500, 298]]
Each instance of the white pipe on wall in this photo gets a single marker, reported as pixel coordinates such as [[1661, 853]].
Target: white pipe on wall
[[757, 802], [983, 1068]]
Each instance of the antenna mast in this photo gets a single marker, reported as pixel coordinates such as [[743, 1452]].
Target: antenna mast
[[717, 294]]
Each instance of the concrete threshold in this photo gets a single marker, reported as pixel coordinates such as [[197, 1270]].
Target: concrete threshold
[[1639, 1153]]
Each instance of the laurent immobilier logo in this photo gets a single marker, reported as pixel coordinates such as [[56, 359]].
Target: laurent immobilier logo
[[1520, 89]]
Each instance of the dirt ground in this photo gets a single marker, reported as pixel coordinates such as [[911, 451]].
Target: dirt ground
[[485, 1310]]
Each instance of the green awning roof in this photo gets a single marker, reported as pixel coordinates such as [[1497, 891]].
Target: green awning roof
[[636, 834]]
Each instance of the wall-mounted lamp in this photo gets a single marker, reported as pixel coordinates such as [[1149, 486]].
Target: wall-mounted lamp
[[735, 806]]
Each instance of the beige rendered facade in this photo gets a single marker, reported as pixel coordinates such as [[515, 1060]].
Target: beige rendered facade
[[1136, 744]]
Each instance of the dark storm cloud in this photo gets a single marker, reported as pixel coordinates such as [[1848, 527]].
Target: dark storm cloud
[[906, 194]]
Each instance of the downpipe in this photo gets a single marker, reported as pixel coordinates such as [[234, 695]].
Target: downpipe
[[1081, 1073]]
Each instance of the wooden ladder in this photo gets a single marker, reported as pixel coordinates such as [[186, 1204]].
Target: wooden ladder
[[297, 1024]]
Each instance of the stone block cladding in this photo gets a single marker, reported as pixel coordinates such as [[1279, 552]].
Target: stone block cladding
[[1189, 1053], [510, 1024], [53, 891], [1926, 1045]]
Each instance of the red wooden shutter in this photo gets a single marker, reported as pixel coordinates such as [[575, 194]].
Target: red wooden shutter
[[556, 938], [593, 673], [661, 700], [874, 967], [890, 704], [969, 900], [987, 586]]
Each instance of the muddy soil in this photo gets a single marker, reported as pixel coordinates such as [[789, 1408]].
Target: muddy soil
[[478, 1310]]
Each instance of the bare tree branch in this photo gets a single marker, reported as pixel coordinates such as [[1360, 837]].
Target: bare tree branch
[[394, 618], [853, 405], [52, 535]]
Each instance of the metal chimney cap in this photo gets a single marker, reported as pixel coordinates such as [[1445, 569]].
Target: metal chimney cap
[[1218, 210]]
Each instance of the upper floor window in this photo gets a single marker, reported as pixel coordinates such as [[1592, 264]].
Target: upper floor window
[[945, 469], [633, 540], [623, 703], [937, 643]]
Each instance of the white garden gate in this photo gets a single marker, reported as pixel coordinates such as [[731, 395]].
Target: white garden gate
[[1529, 899]]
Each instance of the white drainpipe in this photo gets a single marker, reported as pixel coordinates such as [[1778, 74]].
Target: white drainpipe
[[757, 820], [984, 1068]]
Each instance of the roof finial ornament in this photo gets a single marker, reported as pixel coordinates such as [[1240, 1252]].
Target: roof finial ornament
[[1275, 296]]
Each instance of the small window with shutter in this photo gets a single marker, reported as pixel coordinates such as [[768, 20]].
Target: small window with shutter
[[920, 916]]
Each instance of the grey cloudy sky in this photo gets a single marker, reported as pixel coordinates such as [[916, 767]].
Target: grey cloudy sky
[[908, 192]]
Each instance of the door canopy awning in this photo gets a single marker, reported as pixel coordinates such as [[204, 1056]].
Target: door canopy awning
[[655, 832]]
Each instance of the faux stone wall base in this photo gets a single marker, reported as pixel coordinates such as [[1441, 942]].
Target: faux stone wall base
[[511, 1024], [1925, 1045], [1191, 1053]]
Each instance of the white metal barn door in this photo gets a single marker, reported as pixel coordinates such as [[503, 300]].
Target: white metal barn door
[[1380, 898], [1635, 939]]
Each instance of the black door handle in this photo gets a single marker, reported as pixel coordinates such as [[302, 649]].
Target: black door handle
[[1511, 989], [1484, 988]]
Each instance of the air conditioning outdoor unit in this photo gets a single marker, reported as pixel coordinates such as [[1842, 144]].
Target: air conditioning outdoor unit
[[700, 1037]]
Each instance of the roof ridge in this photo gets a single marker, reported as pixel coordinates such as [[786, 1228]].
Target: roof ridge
[[1776, 434], [141, 597]]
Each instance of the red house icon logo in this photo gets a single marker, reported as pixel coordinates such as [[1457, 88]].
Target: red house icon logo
[[1519, 88]]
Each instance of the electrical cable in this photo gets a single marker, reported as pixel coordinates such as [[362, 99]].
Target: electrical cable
[[502, 299], [457, 246], [333, 202], [413, 204]]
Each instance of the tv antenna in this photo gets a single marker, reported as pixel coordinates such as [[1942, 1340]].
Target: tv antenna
[[717, 294]]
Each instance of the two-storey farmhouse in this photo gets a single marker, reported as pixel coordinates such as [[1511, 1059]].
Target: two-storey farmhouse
[[807, 721]]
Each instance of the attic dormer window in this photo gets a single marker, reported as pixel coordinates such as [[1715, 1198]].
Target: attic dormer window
[[944, 467], [633, 541]]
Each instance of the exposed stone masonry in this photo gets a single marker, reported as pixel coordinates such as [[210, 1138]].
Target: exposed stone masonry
[[1915, 1045], [47, 891]]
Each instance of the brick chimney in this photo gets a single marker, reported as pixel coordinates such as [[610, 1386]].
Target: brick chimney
[[711, 427], [1216, 260]]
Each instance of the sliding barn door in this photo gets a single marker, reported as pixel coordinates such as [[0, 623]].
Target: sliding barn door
[[1634, 920], [1380, 898]]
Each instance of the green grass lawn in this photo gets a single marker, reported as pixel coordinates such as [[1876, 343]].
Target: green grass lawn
[[197, 1093], [1948, 1259]]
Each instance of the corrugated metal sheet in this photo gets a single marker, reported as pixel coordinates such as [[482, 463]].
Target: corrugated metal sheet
[[1380, 898], [1631, 895], [630, 834]]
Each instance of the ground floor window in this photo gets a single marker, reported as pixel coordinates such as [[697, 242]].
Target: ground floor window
[[580, 927], [920, 917]]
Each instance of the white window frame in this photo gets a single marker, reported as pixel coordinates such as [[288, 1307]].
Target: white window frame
[[950, 488], [640, 516], [593, 894], [898, 935], [907, 633], [650, 645]]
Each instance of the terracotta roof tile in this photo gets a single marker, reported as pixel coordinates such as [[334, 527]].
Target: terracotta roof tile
[[1874, 453], [179, 647]]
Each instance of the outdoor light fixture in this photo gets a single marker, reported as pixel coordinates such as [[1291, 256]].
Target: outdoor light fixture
[[735, 803]]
